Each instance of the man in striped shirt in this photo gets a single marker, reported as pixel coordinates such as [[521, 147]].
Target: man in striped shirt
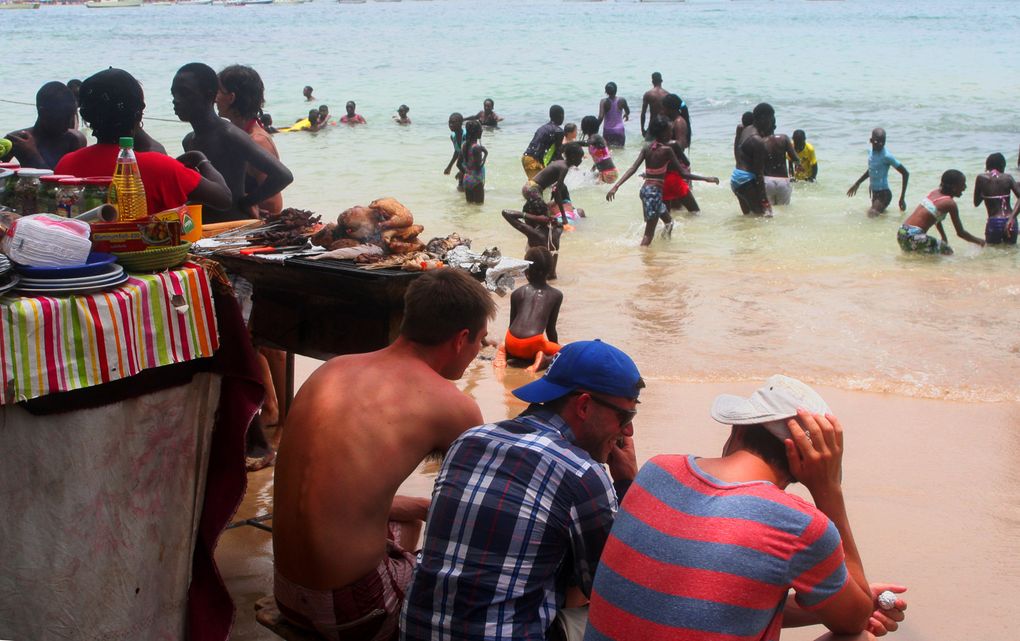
[[521, 509], [708, 549]]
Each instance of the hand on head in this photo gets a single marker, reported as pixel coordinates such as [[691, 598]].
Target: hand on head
[[815, 453]]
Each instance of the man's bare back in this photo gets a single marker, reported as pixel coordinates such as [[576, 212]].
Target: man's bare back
[[779, 147], [651, 103], [358, 428]]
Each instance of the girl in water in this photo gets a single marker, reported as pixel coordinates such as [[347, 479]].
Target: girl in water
[[613, 112], [474, 155], [995, 187], [913, 234], [658, 158], [604, 166]]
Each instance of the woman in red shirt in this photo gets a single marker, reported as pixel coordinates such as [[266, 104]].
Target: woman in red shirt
[[111, 103]]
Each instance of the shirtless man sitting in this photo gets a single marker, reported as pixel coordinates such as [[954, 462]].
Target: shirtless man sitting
[[230, 150], [534, 308], [42, 145], [359, 426]]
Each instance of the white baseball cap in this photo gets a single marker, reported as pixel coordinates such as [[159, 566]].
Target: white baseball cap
[[770, 406]]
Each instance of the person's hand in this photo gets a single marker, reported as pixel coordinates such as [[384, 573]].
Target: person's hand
[[853, 190], [623, 459], [713, 179], [1010, 225], [882, 621], [446, 172], [611, 194], [191, 158], [903, 204], [815, 453]]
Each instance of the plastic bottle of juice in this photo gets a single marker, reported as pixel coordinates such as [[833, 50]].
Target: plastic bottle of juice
[[127, 193]]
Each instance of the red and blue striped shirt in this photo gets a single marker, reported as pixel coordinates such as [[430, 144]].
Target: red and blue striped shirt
[[691, 557]]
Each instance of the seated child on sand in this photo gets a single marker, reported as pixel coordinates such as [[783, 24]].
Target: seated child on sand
[[534, 308]]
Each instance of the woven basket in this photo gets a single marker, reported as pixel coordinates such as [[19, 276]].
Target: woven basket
[[153, 259]]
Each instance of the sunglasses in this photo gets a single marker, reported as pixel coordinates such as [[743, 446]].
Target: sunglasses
[[623, 415]]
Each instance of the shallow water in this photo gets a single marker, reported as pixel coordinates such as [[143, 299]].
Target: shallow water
[[821, 290]]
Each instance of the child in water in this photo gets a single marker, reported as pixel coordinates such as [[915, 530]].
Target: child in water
[[266, 120], [539, 225], [569, 132], [324, 116], [913, 234], [534, 308], [474, 155], [456, 125], [401, 117], [604, 167], [658, 158], [314, 124], [352, 117]]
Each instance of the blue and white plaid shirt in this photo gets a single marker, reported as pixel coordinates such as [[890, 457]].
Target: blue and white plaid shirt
[[518, 514]]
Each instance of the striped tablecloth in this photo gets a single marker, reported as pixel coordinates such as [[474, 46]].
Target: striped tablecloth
[[57, 344]]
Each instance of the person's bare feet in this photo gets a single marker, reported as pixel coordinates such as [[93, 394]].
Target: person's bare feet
[[500, 359], [534, 367], [254, 464]]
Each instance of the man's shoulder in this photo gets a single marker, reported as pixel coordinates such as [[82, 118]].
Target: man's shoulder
[[533, 436]]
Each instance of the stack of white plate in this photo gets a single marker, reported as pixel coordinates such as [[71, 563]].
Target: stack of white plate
[[8, 279], [109, 276]]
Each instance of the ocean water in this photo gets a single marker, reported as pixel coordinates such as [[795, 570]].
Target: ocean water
[[821, 291]]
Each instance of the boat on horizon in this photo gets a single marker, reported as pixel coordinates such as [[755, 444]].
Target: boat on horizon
[[112, 4], [19, 5]]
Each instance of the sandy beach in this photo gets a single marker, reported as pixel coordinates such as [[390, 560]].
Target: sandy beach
[[931, 487]]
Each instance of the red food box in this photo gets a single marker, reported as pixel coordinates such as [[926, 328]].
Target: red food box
[[158, 230]]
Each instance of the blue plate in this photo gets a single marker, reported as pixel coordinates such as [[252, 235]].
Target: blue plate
[[97, 263]]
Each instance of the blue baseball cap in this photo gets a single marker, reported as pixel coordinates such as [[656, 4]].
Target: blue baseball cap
[[589, 365]]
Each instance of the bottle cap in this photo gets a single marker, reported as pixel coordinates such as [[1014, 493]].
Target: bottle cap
[[29, 172], [127, 142], [54, 178]]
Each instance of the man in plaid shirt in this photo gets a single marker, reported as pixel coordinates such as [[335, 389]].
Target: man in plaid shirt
[[521, 509]]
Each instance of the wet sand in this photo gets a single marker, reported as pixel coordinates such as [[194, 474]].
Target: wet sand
[[932, 488]]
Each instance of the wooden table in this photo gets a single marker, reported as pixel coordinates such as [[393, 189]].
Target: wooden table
[[321, 309]]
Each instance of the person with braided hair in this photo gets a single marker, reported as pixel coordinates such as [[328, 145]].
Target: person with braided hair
[[112, 102]]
